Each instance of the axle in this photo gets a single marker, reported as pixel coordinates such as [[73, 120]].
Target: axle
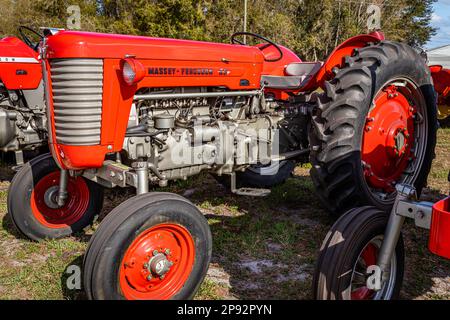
[[62, 191]]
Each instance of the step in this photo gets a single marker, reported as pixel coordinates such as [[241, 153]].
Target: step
[[252, 192]]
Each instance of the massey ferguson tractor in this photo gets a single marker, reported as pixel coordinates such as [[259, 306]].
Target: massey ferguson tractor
[[128, 111], [23, 123]]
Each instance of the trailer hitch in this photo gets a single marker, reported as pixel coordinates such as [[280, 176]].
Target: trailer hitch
[[405, 206]]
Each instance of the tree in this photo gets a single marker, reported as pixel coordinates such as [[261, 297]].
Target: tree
[[309, 27]]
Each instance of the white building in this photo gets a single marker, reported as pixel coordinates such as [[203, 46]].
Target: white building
[[439, 56]]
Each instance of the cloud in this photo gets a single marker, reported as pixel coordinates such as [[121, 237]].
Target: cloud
[[435, 18]]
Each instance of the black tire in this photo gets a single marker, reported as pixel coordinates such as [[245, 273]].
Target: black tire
[[341, 249], [20, 202], [108, 246], [256, 177], [339, 120]]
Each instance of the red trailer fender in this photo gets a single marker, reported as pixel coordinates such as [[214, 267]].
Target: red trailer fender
[[439, 241]]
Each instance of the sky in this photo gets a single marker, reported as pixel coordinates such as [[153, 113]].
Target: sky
[[440, 20]]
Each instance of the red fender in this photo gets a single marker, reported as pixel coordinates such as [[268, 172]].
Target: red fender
[[336, 58]]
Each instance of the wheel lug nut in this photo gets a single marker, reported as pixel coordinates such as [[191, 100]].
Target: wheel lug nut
[[146, 265], [149, 277], [155, 252], [167, 251]]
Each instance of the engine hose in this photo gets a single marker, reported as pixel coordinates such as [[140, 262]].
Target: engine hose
[[141, 133], [136, 129]]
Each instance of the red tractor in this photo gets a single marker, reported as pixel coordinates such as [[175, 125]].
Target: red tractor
[[23, 123], [136, 111]]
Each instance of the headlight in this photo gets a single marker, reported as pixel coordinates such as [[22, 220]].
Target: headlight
[[132, 71]]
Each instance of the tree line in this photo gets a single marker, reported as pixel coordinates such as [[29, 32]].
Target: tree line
[[312, 28]]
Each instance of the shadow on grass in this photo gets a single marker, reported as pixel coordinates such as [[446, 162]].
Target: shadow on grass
[[445, 123], [6, 162], [8, 226]]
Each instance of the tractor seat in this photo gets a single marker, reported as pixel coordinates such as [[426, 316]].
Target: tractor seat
[[298, 74]]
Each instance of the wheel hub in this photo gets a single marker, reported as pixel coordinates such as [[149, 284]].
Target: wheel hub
[[50, 197], [368, 257], [159, 265], [44, 204], [388, 139]]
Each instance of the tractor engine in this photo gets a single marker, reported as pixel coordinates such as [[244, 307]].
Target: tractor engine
[[148, 113], [182, 131], [23, 123]]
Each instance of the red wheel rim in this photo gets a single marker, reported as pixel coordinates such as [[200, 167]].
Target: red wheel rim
[[74, 208], [388, 139], [170, 242], [368, 257]]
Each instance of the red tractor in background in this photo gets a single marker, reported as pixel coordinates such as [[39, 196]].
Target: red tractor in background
[[136, 111], [23, 122]]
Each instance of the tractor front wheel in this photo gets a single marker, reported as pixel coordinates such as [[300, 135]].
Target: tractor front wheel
[[155, 246], [32, 202], [374, 127]]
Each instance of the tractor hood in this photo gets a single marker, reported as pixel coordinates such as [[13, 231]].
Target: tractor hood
[[74, 44]]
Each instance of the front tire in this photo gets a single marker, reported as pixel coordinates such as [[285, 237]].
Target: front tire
[[34, 212], [375, 127], [155, 246], [350, 247]]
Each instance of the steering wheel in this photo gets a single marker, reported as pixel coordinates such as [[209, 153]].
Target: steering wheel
[[268, 43], [26, 39]]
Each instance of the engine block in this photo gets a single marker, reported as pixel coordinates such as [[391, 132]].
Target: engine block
[[188, 130]]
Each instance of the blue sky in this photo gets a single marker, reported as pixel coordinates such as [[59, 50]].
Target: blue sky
[[441, 20]]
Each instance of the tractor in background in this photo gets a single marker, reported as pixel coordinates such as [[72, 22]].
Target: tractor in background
[[23, 121], [441, 80]]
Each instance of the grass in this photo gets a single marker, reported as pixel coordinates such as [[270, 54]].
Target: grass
[[262, 248]]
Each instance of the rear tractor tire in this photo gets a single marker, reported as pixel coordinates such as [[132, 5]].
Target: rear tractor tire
[[155, 246], [374, 127], [34, 211]]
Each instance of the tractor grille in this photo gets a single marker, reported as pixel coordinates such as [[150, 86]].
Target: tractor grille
[[77, 87]]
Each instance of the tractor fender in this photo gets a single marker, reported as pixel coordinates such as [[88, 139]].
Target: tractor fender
[[20, 68], [336, 58]]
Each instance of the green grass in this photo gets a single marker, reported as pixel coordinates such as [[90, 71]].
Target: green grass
[[279, 236]]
